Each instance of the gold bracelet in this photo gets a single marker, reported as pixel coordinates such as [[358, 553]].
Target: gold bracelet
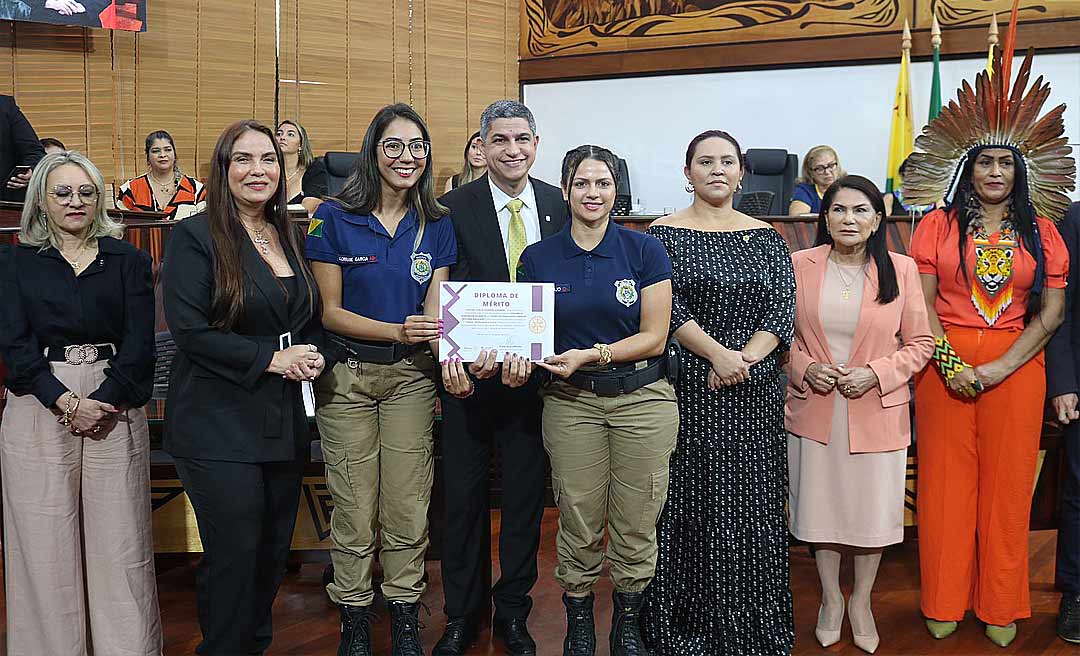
[[605, 354], [70, 408]]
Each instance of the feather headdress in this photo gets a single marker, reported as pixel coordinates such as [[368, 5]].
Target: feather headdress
[[989, 115]]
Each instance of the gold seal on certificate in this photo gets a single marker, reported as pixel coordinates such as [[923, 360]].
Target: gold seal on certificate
[[510, 317]]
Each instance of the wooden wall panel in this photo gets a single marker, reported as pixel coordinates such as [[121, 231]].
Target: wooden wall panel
[[50, 80], [371, 66], [100, 108], [322, 71], [264, 65], [574, 39], [7, 57], [167, 67], [128, 159], [226, 73], [447, 111], [202, 64]]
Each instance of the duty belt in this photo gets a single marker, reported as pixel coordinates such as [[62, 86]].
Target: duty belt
[[353, 352], [621, 380]]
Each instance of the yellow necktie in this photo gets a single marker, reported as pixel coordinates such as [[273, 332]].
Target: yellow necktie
[[516, 238]]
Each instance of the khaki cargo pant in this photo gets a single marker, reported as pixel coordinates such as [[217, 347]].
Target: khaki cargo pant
[[609, 469], [376, 421]]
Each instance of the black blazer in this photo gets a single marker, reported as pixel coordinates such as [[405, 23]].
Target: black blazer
[[19, 146], [222, 405], [481, 251], [1063, 350]]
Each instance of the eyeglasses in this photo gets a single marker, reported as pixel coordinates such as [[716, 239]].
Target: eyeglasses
[[394, 148], [64, 194], [823, 168]]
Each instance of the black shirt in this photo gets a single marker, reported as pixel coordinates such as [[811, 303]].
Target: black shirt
[[43, 304]]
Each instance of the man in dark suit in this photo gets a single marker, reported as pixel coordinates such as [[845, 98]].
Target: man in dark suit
[[19, 146], [495, 218], [1062, 365]]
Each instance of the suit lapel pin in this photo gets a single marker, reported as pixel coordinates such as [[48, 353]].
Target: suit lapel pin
[[547, 218]]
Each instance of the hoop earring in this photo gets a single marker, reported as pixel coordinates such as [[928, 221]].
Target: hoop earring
[[738, 189], [689, 187]]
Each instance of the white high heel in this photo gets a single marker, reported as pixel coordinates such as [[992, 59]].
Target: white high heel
[[867, 642], [827, 636]]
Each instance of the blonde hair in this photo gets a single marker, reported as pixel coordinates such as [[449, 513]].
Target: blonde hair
[[811, 155], [36, 229], [306, 156]]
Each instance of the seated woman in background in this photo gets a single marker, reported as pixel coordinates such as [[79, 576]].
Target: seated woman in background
[[847, 399], [77, 337], [52, 145], [475, 164], [293, 139], [820, 168], [163, 188], [894, 200]]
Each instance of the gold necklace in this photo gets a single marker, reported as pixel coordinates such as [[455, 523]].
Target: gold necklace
[[845, 293], [290, 176], [74, 262], [165, 187]]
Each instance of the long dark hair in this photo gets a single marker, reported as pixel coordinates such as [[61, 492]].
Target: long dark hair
[[229, 235], [363, 188], [877, 245], [966, 205]]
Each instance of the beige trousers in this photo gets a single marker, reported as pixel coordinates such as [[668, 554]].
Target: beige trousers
[[375, 422], [609, 469], [78, 545]]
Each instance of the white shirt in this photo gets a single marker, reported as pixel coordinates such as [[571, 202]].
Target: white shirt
[[528, 215]]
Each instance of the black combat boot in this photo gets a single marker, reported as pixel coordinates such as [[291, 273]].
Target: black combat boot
[[625, 636], [405, 629], [580, 629], [355, 631]]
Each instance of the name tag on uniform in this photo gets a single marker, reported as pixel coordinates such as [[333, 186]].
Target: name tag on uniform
[[357, 259], [562, 288]]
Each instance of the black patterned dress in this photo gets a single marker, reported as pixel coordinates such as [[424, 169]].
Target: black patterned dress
[[721, 584]]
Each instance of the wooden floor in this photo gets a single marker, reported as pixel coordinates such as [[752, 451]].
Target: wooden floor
[[306, 623]]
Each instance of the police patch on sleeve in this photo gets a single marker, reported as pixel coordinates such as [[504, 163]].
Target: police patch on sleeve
[[421, 267], [626, 292]]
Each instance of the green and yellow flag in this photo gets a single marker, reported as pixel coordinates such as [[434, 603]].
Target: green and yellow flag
[[901, 136]]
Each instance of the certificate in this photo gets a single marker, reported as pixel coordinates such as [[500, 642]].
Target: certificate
[[511, 317]]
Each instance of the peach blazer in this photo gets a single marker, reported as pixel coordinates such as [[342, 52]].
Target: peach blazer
[[894, 340]]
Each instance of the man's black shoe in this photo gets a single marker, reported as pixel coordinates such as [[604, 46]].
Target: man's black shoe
[[459, 635], [515, 636], [1068, 622]]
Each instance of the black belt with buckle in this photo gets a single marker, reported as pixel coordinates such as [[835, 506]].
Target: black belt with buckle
[[620, 380], [80, 353], [351, 351]]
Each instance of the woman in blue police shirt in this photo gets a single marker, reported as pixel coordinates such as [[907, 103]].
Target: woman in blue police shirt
[[610, 416], [378, 251]]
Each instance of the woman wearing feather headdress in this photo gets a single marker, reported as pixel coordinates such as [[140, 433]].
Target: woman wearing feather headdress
[[993, 271]]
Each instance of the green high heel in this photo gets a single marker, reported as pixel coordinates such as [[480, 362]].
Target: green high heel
[[941, 630], [1002, 636]]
